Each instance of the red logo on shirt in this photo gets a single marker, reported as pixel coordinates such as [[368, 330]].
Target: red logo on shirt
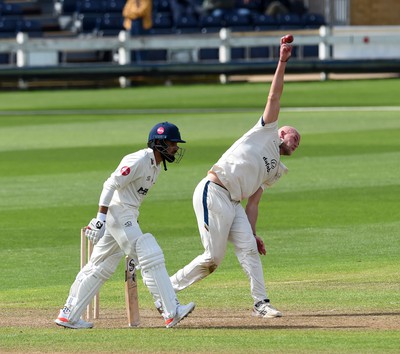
[[160, 130], [125, 171]]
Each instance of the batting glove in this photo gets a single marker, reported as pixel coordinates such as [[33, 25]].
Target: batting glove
[[95, 230]]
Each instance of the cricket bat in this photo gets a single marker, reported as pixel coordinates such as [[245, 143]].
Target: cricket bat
[[131, 295]]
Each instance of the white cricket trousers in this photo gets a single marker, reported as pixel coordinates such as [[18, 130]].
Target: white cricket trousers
[[220, 220]]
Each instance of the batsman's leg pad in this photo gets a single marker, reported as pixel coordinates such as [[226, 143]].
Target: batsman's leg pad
[[86, 285], [154, 274]]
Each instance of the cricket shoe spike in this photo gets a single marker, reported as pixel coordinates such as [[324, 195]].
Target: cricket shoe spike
[[265, 309], [182, 311], [62, 320]]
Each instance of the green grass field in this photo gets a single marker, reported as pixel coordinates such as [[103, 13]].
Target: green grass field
[[331, 225]]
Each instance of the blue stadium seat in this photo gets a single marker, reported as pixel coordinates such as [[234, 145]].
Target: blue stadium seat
[[237, 21], [68, 7], [298, 7], [32, 27], [210, 23], [161, 6], [89, 6], [289, 21], [187, 24], [253, 5], [110, 24], [89, 22], [10, 9], [113, 6], [313, 20], [8, 27], [263, 22], [162, 24]]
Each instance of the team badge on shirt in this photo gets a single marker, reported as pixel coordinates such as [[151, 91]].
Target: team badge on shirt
[[269, 166], [125, 171]]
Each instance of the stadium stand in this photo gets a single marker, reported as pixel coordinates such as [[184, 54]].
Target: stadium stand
[[210, 24], [312, 20], [289, 21], [110, 24], [65, 7], [264, 22], [89, 15], [162, 23], [187, 24], [10, 9], [113, 6], [238, 21], [102, 18]]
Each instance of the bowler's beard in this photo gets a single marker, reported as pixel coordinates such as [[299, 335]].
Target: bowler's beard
[[285, 150]]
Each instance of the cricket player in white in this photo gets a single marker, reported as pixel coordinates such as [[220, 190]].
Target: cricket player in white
[[244, 171], [116, 232]]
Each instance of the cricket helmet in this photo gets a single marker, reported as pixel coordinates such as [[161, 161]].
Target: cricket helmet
[[158, 137], [165, 131]]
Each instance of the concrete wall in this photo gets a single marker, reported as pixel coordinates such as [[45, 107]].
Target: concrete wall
[[374, 12], [362, 12]]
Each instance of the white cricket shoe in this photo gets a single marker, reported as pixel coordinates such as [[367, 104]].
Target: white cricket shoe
[[62, 320], [265, 309], [182, 311]]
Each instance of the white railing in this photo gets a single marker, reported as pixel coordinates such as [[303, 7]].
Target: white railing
[[337, 43]]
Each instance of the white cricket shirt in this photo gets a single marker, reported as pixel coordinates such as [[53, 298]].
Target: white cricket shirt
[[130, 182], [251, 162]]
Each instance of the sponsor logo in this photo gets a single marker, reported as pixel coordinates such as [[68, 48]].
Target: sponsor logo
[[128, 224], [99, 224], [269, 165], [160, 130], [131, 265], [143, 190], [125, 171], [148, 178]]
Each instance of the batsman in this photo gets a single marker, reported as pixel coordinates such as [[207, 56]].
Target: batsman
[[115, 232]]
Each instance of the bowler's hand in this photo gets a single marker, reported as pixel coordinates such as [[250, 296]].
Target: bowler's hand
[[260, 245], [285, 51]]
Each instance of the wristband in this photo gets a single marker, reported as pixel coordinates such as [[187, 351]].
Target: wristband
[[284, 61], [101, 216]]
